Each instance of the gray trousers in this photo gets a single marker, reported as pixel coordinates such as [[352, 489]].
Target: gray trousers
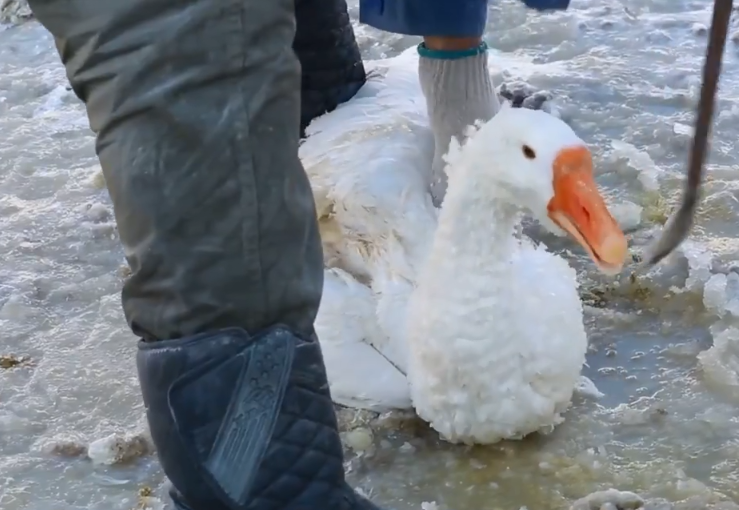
[[196, 106]]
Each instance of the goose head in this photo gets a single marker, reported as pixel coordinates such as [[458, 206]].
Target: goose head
[[541, 165]]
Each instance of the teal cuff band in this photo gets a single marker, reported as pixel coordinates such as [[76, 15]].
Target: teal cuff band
[[452, 55]]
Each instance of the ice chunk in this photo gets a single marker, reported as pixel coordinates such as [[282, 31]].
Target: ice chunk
[[516, 92], [682, 129], [691, 487], [699, 29], [118, 449], [620, 499], [714, 294], [648, 171], [700, 261], [627, 214], [721, 294], [720, 363], [587, 388], [732, 294], [359, 439]]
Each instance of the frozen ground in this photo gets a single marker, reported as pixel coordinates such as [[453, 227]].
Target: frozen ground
[[665, 346]]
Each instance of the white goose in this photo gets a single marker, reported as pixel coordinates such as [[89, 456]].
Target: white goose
[[479, 331]]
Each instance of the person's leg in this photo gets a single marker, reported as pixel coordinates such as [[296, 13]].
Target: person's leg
[[459, 91], [332, 68], [453, 67], [196, 106]]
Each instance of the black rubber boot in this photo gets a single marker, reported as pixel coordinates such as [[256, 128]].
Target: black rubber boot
[[332, 67], [245, 422]]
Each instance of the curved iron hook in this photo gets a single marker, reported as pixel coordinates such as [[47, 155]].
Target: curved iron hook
[[678, 227]]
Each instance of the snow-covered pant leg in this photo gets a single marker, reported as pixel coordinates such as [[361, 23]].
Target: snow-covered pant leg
[[196, 106]]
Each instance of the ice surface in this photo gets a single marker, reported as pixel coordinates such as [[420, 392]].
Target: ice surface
[[623, 73]]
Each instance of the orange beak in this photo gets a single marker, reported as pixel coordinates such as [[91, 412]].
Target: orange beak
[[579, 209]]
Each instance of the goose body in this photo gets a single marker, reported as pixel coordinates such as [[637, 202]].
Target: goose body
[[352, 156], [446, 311]]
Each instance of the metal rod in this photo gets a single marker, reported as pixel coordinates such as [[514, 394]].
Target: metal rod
[[678, 227]]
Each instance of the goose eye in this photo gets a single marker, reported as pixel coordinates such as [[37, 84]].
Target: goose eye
[[528, 152]]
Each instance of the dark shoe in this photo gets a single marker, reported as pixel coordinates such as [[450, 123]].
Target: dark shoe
[[244, 422]]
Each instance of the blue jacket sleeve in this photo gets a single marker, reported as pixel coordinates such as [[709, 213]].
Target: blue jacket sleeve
[[547, 5], [442, 18]]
